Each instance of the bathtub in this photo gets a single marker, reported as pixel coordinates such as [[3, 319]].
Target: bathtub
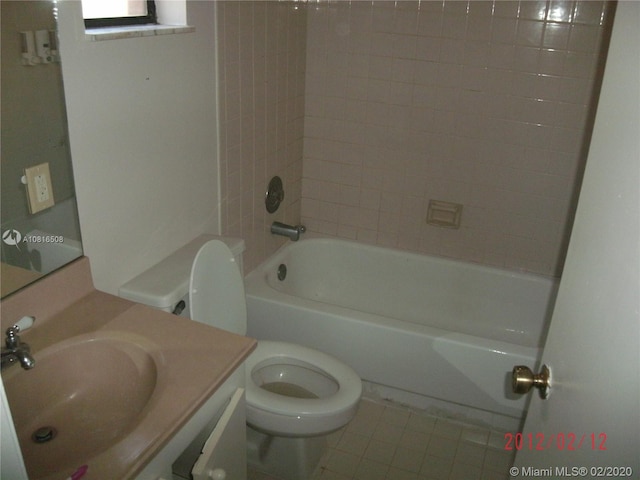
[[427, 327]]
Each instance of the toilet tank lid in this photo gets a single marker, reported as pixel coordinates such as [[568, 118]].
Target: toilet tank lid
[[167, 282]]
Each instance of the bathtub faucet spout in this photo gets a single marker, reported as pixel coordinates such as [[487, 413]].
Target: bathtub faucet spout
[[293, 232]]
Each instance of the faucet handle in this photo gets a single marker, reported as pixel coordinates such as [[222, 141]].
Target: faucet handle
[[25, 323], [12, 332], [12, 339]]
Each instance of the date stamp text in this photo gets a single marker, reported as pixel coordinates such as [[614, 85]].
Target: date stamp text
[[560, 441]]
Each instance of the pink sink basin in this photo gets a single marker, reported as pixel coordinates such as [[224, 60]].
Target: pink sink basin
[[83, 396]]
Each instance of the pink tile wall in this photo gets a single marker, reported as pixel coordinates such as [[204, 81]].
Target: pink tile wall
[[261, 62], [481, 103]]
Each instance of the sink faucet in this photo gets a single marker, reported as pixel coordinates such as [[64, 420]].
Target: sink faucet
[[15, 350], [293, 232]]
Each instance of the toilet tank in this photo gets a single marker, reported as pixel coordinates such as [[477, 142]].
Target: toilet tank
[[166, 284]]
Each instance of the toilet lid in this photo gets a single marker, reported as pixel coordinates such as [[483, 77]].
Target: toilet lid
[[216, 289]]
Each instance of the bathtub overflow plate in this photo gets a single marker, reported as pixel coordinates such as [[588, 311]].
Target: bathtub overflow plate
[[282, 272]]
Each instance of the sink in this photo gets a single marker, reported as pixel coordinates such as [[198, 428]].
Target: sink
[[83, 396]]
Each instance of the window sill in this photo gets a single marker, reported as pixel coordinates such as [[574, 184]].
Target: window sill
[[135, 31]]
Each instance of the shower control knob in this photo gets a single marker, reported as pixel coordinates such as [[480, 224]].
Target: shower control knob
[[522, 379], [274, 195]]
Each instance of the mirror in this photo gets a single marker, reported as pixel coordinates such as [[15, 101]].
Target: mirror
[[39, 220]]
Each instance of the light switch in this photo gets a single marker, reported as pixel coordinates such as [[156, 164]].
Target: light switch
[[39, 188]]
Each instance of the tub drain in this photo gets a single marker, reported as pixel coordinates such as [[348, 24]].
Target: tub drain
[[44, 434]]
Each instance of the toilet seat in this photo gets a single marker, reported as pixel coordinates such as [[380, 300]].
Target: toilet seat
[[283, 415]]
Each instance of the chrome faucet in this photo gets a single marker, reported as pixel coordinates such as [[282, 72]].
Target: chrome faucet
[[293, 232], [15, 350]]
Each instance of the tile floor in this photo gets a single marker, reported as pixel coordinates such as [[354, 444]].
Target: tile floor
[[388, 442]]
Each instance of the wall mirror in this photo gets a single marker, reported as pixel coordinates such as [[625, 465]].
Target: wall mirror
[[39, 220]]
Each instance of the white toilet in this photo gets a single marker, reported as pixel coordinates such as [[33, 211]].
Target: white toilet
[[295, 395]]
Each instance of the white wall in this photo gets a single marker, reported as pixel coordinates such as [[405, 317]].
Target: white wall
[[142, 125]]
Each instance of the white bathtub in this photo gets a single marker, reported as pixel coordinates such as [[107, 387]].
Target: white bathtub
[[431, 327]]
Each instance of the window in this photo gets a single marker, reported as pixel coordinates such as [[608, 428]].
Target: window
[[115, 13]]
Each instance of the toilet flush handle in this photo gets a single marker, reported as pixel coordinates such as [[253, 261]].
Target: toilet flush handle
[[180, 306]]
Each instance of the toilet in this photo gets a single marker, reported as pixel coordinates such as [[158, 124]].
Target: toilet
[[295, 395]]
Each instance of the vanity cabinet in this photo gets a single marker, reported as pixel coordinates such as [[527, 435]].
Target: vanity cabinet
[[215, 451], [224, 455]]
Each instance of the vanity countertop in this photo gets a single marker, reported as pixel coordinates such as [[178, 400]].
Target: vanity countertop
[[193, 361]]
